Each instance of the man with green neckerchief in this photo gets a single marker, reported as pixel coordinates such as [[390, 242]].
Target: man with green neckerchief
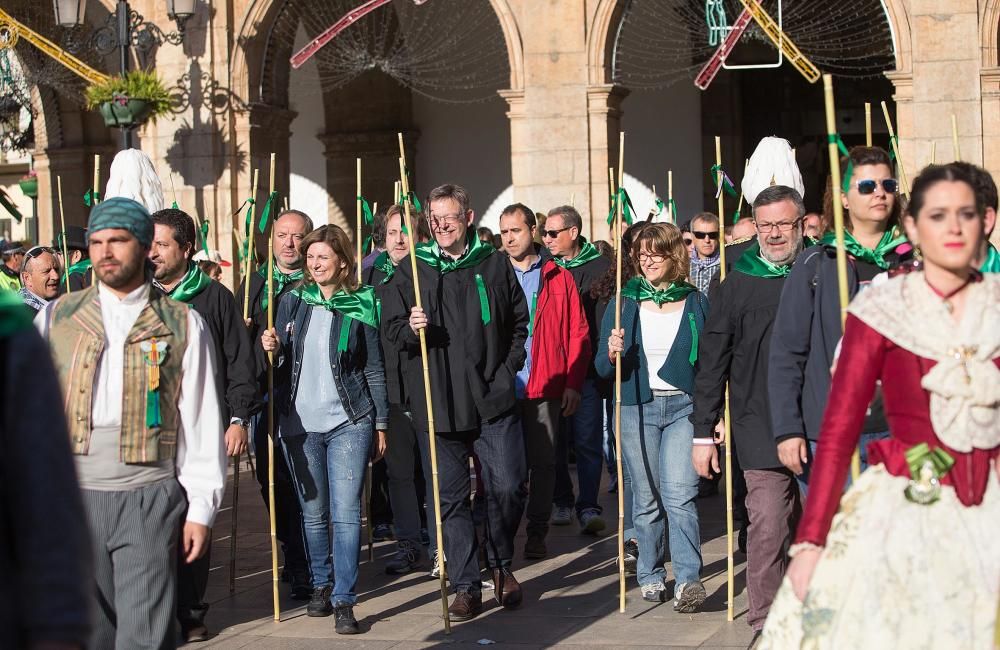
[[562, 235], [174, 274], [81, 269]]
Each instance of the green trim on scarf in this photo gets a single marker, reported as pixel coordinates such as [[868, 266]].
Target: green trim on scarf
[[887, 244], [484, 301], [751, 262], [588, 253], [531, 314], [193, 283], [992, 262], [81, 267], [359, 305], [476, 251], [265, 216], [693, 356], [639, 289], [366, 210], [384, 264], [628, 212], [281, 280], [845, 182], [204, 237]]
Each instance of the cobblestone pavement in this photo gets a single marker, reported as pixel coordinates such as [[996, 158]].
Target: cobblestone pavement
[[571, 598]]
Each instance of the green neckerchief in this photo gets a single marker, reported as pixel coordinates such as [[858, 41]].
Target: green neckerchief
[[384, 264], [360, 305], [193, 283], [588, 252], [476, 251], [14, 315], [992, 263], [751, 262], [640, 289], [281, 280], [890, 240], [80, 267]]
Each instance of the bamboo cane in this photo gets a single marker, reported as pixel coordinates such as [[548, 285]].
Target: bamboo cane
[[173, 190], [727, 426], [357, 237], [615, 235], [933, 152], [270, 416], [670, 196], [367, 497], [903, 186], [62, 222], [404, 184], [838, 223], [739, 202], [572, 199], [232, 530], [250, 253], [954, 137], [97, 178], [655, 197], [618, 381], [868, 124]]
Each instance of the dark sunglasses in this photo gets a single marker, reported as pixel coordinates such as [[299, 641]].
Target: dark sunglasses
[[713, 235], [868, 186], [33, 252], [552, 234]]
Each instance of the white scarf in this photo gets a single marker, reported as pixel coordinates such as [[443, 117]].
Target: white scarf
[[964, 385]]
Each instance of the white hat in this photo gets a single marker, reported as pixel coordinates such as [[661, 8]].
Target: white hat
[[133, 176], [772, 163], [213, 256]]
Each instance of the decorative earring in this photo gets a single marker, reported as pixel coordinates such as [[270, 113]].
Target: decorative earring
[[917, 253]]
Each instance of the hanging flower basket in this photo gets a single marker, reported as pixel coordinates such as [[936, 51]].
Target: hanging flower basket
[[29, 185], [125, 113]]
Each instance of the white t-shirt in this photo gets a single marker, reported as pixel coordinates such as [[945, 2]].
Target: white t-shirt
[[658, 333]]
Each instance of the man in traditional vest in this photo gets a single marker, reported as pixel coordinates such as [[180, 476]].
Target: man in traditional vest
[[177, 276], [144, 419]]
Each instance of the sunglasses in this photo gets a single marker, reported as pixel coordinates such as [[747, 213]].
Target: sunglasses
[[868, 186], [552, 234], [713, 235], [33, 252]]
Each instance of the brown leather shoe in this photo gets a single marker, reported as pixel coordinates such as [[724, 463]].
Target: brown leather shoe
[[506, 588], [466, 606]]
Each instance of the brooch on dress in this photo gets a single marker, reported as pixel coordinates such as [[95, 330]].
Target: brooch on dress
[[927, 466], [153, 353]]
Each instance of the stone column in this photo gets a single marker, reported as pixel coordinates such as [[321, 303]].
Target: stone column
[[604, 120]]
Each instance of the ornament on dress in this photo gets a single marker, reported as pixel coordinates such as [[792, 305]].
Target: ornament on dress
[[927, 466], [153, 353]]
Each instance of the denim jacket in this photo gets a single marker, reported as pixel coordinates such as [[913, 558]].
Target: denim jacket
[[358, 372]]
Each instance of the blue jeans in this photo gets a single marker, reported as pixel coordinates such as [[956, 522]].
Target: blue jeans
[[586, 426], [866, 438], [328, 470], [656, 446]]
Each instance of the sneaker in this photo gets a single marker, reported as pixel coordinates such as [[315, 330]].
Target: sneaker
[[534, 548], [435, 572], [631, 555], [404, 560], [563, 516], [654, 592], [319, 604], [382, 533], [591, 522], [345, 623], [688, 596]]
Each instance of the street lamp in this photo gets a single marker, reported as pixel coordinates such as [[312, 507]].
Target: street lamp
[[126, 29]]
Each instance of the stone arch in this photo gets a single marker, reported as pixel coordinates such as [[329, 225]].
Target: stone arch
[[899, 25], [990, 34], [601, 41]]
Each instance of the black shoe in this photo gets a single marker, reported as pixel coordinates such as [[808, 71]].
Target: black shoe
[[631, 555], [534, 547], [345, 623], [319, 604], [382, 533], [194, 631]]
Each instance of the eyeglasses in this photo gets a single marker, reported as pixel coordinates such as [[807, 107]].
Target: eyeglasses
[[650, 257], [782, 226], [552, 234], [688, 241], [712, 234], [33, 252], [447, 219], [867, 186]]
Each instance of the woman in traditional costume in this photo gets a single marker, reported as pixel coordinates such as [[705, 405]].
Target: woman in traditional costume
[[332, 405], [912, 560]]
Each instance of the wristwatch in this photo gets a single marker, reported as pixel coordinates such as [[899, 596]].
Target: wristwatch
[[240, 421]]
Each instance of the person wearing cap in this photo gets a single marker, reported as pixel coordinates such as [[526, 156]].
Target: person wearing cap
[[11, 253], [136, 371], [40, 277], [176, 275], [211, 263], [80, 271]]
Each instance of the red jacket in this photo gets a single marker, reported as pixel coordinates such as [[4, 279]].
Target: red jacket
[[560, 345]]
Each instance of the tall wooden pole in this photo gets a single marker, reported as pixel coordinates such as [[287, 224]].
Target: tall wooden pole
[[250, 251], [616, 236], [270, 415], [431, 431], [868, 124], [838, 221], [62, 224], [933, 152], [904, 186], [357, 238], [670, 196], [954, 137], [618, 379], [97, 178], [727, 425]]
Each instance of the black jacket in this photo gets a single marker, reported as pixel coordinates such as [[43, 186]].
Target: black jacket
[[232, 351], [472, 365], [585, 276], [734, 346], [391, 354], [807, 331], [258, 322]]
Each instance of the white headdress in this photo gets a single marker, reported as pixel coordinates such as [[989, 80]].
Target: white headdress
[[772, 163], [134, 177]]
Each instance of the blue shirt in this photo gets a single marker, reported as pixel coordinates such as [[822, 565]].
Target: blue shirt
[[317, 402], [530, 282]]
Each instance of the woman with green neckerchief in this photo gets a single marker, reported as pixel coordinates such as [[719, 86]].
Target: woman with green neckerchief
[[332, 407], [661, 317], [808, 328]]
